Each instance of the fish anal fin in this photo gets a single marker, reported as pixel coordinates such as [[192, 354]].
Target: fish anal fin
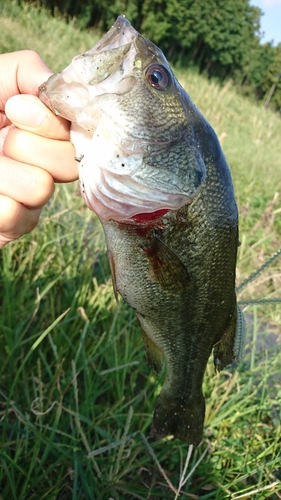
[[154, 354], [231, 346], [166, 267], [224, 348]]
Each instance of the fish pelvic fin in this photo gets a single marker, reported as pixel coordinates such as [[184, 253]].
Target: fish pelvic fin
[[113, 274], [182, 419], [230, 347], [154, 354]]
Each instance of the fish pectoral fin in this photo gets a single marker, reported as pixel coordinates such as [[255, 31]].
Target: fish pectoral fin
[[231, 345], [168, 270], [154, 354]]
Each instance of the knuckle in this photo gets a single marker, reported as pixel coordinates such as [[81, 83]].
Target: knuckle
[[44, 188], [31, 56], [15, 219]]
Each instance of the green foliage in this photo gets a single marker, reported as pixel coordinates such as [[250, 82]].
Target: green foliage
[[45, 34], [77, 396], [254, 75], [216, 35], [273, 78]]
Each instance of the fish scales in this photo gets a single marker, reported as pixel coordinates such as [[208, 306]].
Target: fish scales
[[152, 169]]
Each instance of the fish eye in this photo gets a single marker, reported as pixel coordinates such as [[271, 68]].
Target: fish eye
[[158, 76]]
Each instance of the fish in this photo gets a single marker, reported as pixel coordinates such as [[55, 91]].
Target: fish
[[151, 167]]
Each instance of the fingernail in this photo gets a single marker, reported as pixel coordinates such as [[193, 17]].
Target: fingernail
[[26, 110]]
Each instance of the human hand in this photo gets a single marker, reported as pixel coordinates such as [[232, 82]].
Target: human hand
[[34, 145]]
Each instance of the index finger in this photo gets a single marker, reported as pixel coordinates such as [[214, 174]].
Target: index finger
[[21, 72]]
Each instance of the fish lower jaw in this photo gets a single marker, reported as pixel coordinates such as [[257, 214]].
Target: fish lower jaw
[[112, 183], [122, 198], [121, 212]]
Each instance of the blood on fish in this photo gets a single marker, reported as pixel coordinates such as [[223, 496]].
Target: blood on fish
[[150, 216], [154, 258]]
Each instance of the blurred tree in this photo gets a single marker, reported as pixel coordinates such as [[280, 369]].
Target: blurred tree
[[254, 73], [218, 35], [273, 80]]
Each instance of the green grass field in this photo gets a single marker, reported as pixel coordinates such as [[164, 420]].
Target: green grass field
[[76, 394]]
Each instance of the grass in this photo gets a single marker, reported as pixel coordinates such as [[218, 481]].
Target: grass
[[76, 394]]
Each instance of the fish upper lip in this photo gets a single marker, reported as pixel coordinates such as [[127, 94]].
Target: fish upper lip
[[121, 32]]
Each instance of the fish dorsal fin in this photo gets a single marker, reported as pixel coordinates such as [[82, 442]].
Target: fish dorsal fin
[[168, 270]]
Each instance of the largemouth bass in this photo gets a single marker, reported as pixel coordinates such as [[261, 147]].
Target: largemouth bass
[[152, 169]]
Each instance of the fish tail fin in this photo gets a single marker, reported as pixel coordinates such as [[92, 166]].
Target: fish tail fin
[[183, 419]]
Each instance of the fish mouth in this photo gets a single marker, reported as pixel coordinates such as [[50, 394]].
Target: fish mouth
[[69, 92]]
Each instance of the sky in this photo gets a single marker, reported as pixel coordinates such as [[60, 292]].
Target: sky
[[271, 20]]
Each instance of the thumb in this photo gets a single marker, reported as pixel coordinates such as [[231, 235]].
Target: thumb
[[28, 113]]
